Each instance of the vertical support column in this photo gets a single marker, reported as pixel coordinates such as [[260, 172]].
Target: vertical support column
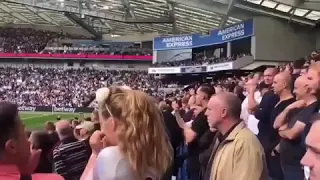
[[154, 57], [253, 47], [229, 49]]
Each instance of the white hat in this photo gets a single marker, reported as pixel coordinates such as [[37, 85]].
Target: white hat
[[126, 87], [102, 94], [88, 125]]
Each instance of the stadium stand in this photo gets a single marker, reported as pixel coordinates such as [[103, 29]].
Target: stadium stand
[[159, 90]]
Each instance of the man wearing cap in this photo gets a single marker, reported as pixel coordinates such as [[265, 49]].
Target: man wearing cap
[[85, 130]]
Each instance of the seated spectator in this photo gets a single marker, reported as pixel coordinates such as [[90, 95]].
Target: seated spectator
[[132, 143], [16, 160], [70, 156]]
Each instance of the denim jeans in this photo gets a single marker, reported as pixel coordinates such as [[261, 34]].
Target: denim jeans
[[292, 172]]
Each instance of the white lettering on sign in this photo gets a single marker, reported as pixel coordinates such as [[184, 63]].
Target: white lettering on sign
[[63, 109], [181, 41], [232, 32], [163, 70], [27, 108]]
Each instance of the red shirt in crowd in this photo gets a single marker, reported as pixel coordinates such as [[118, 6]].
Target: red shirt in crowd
[[11, 172]]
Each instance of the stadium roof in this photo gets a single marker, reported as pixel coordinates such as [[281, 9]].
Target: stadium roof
[[121, 17]]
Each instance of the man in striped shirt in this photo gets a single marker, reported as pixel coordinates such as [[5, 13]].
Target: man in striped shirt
[[70, 156]]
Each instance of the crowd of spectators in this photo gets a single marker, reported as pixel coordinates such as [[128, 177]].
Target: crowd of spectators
[[29, 40], [65, 88], [198, 60], [112, 50], [264, 125], [257, 127]]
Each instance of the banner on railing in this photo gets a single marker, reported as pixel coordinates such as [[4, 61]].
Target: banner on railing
[[164, 70], [220, 67], [192, 69], [55, 109], [76, 56]]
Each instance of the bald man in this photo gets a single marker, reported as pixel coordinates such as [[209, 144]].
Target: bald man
[[282, 84], [282, 81], [64, 129], [237, 153], [291, 123], [70, 156]]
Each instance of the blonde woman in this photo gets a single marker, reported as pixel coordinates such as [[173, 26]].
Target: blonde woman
[[133, 134]]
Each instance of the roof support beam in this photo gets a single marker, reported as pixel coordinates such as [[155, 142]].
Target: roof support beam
[[292, 14], [42, 15], [237, 12], [126, 4], [104, 22], [103, 15], [226, 16], [84, 25], [310, 4], [150, 5], [14, 14], [293, 3], [273, 13], [172, 15], [135, 7]]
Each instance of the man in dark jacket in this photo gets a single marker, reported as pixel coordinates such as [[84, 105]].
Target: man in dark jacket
[[175, 135]]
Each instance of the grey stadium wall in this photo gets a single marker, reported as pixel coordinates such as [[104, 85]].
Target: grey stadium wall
[[278, 40]]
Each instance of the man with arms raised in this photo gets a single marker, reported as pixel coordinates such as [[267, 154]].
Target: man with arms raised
[[237, 153]]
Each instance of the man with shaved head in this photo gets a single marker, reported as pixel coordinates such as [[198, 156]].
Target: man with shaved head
[[237, 153], [64, 129], [282, 84], [70, 156], [291, 123]]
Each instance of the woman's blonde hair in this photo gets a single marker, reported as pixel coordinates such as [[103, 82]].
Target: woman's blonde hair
[[142, 137]]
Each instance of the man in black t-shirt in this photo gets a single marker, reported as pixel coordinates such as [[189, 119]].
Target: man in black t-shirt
[[282, 84], [198, 127], [292, 122], [267, 103]]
